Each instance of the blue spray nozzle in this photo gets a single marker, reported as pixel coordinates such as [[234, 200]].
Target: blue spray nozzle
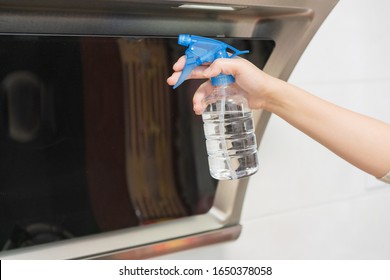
[[203, 50], [184, 40]]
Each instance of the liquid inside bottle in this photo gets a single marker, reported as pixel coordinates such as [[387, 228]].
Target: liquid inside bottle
[[230, 138]]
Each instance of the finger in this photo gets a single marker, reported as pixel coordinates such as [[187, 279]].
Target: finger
[[222, 66], [172, 80], [196, 73], [179, 65], [204, 89]]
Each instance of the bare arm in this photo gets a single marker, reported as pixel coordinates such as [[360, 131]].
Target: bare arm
[[361, 140]]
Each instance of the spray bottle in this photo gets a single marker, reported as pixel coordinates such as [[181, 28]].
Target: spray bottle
[[228, 123]]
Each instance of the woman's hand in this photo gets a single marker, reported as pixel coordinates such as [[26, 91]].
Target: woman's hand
[[250, 80]]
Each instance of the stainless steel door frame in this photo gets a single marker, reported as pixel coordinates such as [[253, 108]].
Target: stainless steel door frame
[[290, 23]]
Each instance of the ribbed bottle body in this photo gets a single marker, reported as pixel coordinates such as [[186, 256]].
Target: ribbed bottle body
[[230, 135]]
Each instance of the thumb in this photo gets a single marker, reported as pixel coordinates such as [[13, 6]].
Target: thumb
[[220, 66]]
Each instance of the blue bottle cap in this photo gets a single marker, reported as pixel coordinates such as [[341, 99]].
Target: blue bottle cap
[[222, 79]]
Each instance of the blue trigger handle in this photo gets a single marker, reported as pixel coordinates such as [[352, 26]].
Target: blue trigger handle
[[201, 50]]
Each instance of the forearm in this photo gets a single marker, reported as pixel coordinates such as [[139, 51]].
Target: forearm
[[361, 140]]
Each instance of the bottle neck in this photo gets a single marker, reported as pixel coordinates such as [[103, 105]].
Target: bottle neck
[[223, 90]]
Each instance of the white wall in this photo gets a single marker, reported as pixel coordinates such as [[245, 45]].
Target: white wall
[[306, 203]]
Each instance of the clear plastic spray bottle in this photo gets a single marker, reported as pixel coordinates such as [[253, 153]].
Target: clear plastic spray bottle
[[228, 123]]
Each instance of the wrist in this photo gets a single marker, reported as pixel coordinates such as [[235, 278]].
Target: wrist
[[273, 92]]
